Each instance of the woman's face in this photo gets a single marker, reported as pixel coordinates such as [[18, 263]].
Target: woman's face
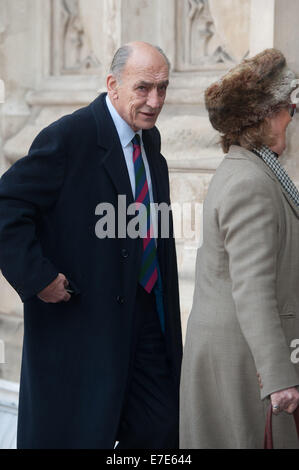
[[279, 124]]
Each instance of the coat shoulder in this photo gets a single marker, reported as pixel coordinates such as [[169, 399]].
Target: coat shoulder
[[243, 173], [78, 123], [156, 139], [242, 180], [153, 135]]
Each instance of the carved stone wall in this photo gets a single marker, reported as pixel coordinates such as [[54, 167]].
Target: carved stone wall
[[199, 45], [203, 39], [73, 51], [54, 57], [84, 36]]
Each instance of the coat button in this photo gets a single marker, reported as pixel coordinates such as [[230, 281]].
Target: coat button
[[120, 300], [124, 253]]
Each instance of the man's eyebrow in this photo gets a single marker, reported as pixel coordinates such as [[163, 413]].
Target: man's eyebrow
[[150, 84], [164, 82]]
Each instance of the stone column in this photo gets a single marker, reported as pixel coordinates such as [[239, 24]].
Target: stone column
[[274, 23]]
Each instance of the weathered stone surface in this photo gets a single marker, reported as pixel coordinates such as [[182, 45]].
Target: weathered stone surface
[[232, 22], [188, 138], [19, 145]]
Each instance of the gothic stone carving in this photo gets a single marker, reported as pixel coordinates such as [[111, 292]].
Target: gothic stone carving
[[199, 45], [72, 53]]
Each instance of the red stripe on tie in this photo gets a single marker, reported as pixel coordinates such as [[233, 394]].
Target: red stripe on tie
[[136, 153], [151, 282], [142, 193], [142, 197], [148, 237]]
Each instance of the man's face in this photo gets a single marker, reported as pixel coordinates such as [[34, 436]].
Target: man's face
[[141, 92]]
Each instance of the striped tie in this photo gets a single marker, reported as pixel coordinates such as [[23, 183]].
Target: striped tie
[[149, 272]]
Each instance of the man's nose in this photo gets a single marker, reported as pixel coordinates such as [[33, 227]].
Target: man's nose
[[153, 99]]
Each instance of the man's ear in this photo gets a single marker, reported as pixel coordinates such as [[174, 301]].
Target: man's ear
[[112, 86]]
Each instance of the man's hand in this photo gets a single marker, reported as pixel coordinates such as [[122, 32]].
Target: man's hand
[[56, 291], [287, 400]]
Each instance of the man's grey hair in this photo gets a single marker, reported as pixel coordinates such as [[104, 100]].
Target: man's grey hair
[[122, 55]]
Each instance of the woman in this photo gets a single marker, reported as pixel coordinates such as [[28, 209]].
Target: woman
[[245, 311]]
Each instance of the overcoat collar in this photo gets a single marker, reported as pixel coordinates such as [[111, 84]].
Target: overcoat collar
[[107, 139], [240, 153]]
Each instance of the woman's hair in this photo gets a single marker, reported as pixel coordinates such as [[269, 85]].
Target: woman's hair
[[241, 102], [249, 137]]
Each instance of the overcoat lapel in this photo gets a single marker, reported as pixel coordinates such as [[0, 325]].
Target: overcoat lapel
[[108, 139], [160, 195], [116, 167], [151, 158]]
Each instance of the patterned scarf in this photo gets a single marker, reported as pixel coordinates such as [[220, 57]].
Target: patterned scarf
[[271, 159]]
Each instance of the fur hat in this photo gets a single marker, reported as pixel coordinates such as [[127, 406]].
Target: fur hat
[[251, 91]]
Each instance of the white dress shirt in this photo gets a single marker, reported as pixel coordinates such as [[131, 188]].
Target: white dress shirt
[[126, 134]]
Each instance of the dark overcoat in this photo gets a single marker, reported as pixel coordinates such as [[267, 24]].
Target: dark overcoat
[[76, 354]]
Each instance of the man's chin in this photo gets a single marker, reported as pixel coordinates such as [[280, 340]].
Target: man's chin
[[146, 124]]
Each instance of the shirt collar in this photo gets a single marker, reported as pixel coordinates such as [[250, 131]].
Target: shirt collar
[[125, 132]]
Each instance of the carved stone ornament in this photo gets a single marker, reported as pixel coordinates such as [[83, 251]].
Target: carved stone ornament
[[72, 37], [232, 23], [202, 37]]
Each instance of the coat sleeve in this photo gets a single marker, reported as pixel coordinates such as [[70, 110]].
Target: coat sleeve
[[249, 224], [27, 190]]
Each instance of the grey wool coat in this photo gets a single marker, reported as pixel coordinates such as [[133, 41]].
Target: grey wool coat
[[245, 311]]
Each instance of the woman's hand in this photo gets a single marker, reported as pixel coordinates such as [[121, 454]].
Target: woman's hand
[[287, 400]]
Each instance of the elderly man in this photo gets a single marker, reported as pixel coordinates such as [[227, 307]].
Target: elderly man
[[102, 337]]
